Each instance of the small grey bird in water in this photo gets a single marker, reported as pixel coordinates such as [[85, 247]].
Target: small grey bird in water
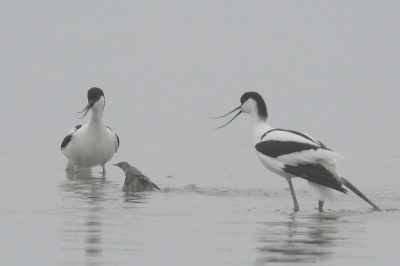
[[135, 181]]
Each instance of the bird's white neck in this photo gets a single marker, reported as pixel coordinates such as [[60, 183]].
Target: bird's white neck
[[96, 118], [259, 117], [260, 126]]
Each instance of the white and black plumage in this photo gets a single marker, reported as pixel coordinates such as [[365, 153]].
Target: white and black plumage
[[294, 154], [90, 144], [135, 181]]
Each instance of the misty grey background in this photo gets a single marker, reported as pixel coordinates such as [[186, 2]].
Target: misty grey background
[[329, 68]]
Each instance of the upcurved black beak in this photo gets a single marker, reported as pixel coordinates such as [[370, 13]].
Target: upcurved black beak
[[228, 114], [87, 108]]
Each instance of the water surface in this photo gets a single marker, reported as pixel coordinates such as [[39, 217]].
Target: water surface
[[328, 69]]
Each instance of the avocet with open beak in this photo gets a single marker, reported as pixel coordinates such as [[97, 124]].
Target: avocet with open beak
[[90, 144], [291, 154]]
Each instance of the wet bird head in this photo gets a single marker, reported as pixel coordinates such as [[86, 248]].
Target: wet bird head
[[123, 165]]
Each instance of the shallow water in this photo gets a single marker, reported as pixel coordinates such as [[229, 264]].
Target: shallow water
[[65, 219], [165, 69]]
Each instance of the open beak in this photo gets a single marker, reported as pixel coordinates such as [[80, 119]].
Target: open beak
[[228, 114], [87, 108]]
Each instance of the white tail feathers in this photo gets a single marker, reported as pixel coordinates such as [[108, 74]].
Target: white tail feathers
[[324, 193]]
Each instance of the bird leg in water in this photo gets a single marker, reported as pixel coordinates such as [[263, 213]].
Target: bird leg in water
[[320, 205], [104, 170], [296, 205]]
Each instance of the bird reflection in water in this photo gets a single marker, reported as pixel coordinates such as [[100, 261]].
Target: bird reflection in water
[[300, 239], [86, 222], [88, 199], [93, 238]]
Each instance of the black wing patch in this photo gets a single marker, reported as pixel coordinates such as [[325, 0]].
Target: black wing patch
[[117, 139], [322, 146], [315, 173], [66, 140], [302, 135], [114, 134], [276, 148]]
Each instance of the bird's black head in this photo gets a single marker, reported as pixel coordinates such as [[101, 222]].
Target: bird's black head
[[257, 102], [249, 102], [93, 95]]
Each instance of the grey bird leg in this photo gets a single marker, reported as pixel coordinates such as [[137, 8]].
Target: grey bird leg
[[104, 169], [320, 204], [296, 205]]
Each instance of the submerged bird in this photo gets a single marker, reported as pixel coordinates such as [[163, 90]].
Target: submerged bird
[[135, 181], [291, 154], [90, 144]]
